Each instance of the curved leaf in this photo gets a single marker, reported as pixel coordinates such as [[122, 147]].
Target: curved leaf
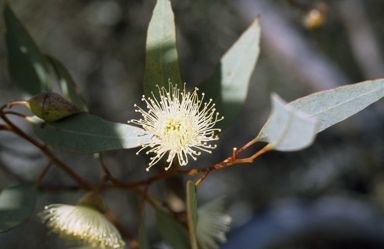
[[161, 62], [228, 85], [27, 66], [86, 133], [175, 234], [335, 105], [192, 212], [67, 85], [16, 205], [288, 128]]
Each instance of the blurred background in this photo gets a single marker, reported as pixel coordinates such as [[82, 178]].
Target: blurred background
[[330, 195]]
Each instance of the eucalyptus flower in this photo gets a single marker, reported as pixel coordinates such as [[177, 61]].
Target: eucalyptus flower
[[212, 224], [180, 123], [82, 224]]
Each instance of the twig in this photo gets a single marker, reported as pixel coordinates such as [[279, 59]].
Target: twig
[[45, 150]]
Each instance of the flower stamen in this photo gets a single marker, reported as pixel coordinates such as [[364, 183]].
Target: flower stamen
[[180, 123]]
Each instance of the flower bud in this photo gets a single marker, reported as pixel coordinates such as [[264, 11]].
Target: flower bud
[[51, 106], [93, 200]]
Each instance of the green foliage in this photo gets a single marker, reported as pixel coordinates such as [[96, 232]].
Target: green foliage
[[175, 234], [289, 129], [16, 205], [87, 133], [192, 212], [143, 237], [335, 105], [27, 66], [291, 126], [67, 85], [161, 64], [228, 85]]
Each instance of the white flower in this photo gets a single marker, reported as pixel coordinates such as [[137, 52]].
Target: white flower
[[181, 125], [212, 224], [82, 224]]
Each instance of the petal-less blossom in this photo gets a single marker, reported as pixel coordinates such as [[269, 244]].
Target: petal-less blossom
[[180, 123], [82, 224], [212, 224]]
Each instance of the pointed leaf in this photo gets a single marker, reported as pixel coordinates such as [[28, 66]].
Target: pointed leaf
[[228, 85], [175, 234], [332, 106], [86, 133], [67, 85], [288, 128], [161, 62], [16, 205], [192, 212], [27, 66]]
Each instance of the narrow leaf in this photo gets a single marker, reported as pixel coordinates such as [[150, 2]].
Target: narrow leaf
[[192, 213], [67, 85], [27, 66], [175, 234], [161, 62], [16, 205], [143, 236], [332, 106], [289, 129], [86, 133], [228, 85]]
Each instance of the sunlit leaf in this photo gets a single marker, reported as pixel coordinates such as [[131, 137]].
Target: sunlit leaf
[[161, 62], [175, 234], [67, 85], [288, 128], [228, 85], [192, 212], [27, 66], [16, 205], [335, 105], [86, 133]]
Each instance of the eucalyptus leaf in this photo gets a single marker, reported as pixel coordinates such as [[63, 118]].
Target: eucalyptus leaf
[[332, 106], [87, 133], [289, 129], [228, 85], [27, 67], [192, 213], [67, 85], [143, 236], [175, 234], [161, 64], [16, 205]]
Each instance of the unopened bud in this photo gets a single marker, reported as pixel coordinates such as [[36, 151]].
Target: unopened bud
[[51, 106]]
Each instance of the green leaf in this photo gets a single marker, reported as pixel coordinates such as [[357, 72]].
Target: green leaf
[[16, 205], [86, 133], [332, 106], [27, 66], [143, 236], [175, 234], [228, 85], [161, 62], [67, 85], [288, 128], [192, 212]]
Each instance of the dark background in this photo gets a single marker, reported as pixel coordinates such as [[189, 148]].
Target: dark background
[[329, 195]]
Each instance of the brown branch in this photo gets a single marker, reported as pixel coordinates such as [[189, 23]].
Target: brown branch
[[44, 149]]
